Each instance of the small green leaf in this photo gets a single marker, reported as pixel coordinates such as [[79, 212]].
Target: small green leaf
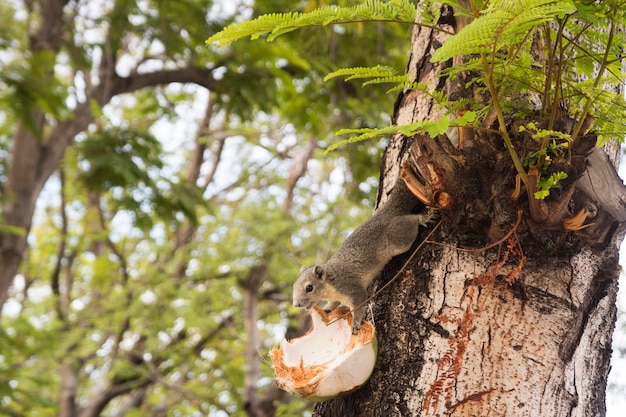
[[546, 184], [437, 128], [468, 117]]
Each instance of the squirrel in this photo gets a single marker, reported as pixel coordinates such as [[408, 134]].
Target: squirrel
[[344, 278]]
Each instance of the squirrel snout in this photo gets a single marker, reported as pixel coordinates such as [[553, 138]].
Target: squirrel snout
[[303, 303]]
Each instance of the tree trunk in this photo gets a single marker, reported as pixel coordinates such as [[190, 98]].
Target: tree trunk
[[251, 286], [69, 387], [498, 314]]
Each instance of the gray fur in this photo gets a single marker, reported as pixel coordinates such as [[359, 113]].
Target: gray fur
[[345, 277]]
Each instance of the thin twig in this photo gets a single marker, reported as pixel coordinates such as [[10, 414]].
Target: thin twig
[[492, 245]]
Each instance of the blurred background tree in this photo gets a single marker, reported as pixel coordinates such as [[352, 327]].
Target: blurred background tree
[[159, 195]]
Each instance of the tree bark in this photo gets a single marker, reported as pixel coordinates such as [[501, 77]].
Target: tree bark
[[498, 314], [69, 387]]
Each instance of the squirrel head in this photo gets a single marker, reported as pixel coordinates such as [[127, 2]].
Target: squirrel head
[[309, 288]]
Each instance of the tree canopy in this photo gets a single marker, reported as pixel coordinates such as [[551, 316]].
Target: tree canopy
[[184, 186]]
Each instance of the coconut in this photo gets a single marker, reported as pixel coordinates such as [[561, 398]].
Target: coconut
[[328, 360]]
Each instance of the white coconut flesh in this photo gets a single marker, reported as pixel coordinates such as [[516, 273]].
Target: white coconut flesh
[[327, 361]]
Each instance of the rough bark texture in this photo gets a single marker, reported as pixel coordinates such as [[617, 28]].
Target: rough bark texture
[[501, 313]]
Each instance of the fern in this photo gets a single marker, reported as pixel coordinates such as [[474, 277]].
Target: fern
[[399, 80], [379, 71], [377, 75], [608, 108], [432, 128], [401, 11], [580, 40], [503, 23]]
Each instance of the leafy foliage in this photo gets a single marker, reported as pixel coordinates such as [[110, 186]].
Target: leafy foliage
[[432, 128], [30, 87], [378, 75], [501, 25], [124, 161], [512, 67], [499, 47], [546, 184], [138, 266], [277, 24], [378, 71], [575, 45]]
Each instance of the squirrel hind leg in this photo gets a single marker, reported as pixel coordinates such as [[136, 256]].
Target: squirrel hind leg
[[402, 232]]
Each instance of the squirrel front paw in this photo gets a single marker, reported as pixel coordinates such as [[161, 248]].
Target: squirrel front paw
[[355, 327], [357, 318], [428, 219]]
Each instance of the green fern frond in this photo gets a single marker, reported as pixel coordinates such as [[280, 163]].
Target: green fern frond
[[503, 23], [362, 72], [363, 134], [276, 24], [432, 128], [379, 74], [607, 108], [408, 86], [253, 28], [396, 79]]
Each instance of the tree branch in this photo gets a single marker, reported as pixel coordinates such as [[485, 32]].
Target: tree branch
[[256, 277], [50, 30], [296, 170], [56, 272], [194, 75], [103, 397], [69, 387]]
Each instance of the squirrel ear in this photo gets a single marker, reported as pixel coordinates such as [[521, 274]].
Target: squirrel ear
[[302, 268], [319, 271]]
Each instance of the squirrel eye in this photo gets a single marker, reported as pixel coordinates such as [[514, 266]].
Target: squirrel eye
[[309, 288]]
